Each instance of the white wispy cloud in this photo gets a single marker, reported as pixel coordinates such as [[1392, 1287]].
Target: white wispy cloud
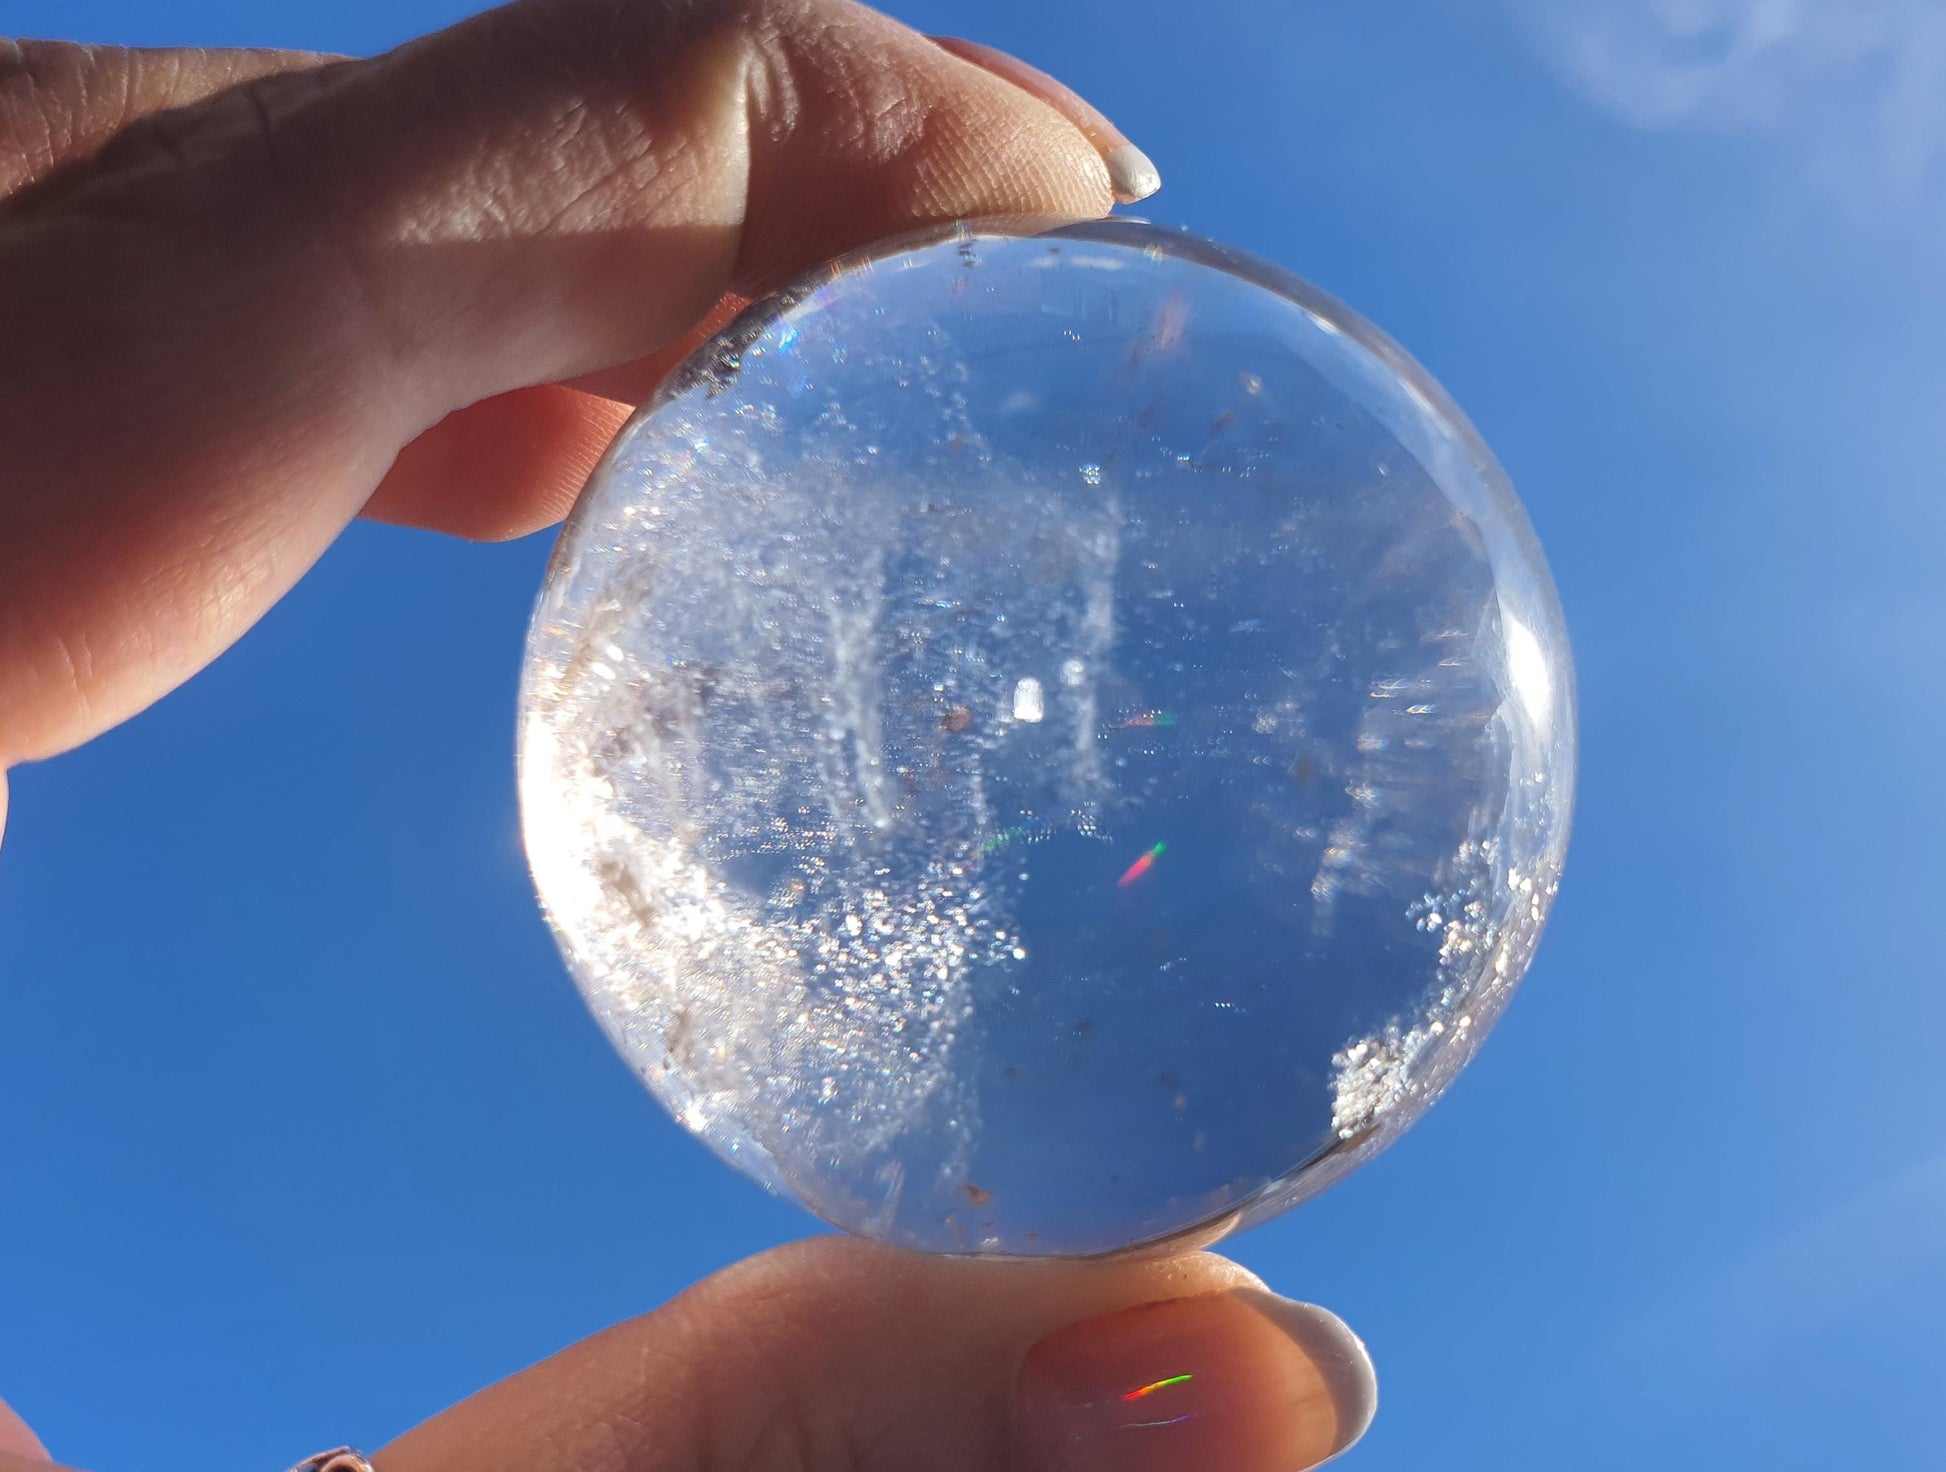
[[1861, 84]]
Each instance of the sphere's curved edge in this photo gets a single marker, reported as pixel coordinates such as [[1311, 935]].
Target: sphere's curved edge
[[1317, 1173], [1198, 1238]]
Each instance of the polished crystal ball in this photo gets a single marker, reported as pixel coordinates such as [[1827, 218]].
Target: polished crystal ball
[[1048, 743]]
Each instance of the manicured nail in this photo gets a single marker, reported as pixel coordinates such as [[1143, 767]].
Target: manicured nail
[[1242, 1381], [1130, 173]]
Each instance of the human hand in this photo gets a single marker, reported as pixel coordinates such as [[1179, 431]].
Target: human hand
[[244, 296]]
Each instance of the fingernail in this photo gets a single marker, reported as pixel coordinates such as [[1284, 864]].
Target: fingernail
[[1242, 1381], [1130, 173]]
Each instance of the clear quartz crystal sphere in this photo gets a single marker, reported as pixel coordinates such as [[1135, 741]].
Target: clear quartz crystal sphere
[[1048, 743]]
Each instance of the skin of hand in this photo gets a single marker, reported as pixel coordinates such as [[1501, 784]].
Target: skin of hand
[[247, 296]]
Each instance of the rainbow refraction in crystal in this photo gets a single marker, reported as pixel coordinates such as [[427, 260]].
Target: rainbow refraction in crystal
[[1039, 744]]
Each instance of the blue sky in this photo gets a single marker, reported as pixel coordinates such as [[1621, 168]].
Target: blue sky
[[303, 1132]]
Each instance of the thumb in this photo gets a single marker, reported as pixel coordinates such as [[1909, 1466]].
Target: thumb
[[837, 1356]]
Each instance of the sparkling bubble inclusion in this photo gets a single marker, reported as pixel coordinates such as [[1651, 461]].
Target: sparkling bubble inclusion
[[1045, 744]]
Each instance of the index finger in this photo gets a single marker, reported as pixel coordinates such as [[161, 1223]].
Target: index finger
[[218, 332]]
